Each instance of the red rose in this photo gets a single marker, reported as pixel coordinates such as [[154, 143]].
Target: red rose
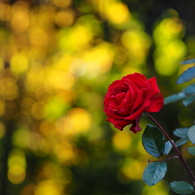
[[129, 97]]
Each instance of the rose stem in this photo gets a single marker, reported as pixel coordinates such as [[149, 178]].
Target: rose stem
[[174, 146]]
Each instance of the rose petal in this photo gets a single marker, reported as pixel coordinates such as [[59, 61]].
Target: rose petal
[[119, 124], [112, 114], [137, 79], [154, 90], [156, 104], [138, 113], [135, 126]]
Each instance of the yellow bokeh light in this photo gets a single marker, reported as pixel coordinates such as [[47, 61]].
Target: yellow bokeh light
[[38, 37], [55, 108], [64, 18], [122, 140], [26, 105], [122, 16], [66, 153], [168, 58], [5, 12], [132, 169], [69, 41], [37, 110], [77, 121], [96, 61], [80, 120], [19, 63], [47, 128], [170, 47], [62, 3], [16, 167], [21, 137], [11, 89], [158, 189], [130, 69], [137, 43], [40, 145], [49, 187], [20, 17], [171, 26], [16, 174], [59, 79]]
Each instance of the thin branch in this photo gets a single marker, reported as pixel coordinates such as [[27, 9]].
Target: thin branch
[[171, 157], [174, 146]]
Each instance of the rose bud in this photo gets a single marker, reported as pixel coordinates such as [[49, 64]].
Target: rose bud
[[129, 97]]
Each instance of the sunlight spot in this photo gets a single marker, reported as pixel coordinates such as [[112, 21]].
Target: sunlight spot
[[122, 140], [19, 63], [49, 187], [122, 11]]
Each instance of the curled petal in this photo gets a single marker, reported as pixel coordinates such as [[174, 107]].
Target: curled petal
[[135, 126], [119, 124], [156, 104], [138, 112]]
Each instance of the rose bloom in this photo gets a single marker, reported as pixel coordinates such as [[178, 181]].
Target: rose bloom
[[128, 98]]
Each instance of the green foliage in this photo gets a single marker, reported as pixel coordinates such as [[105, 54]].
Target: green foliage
[[181, 187], [181, 132], [190, 89], [191, 134], [168, 147], [181, 141], [191, 150], [187, 75], [174, 98], [189, 61], [153, 141], [188, 100], [154, 173]]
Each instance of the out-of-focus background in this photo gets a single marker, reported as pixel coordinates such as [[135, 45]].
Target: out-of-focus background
[[57, 58]]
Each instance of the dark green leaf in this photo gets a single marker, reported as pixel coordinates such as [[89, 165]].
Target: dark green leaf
[[168, 147], [191, 150], [153, 141], [188, 100], [191, 134], [181, 141], [189, 89], [187, 75], [181, 132], [189, 61], [154, 172], [174, 98], [181, 187]]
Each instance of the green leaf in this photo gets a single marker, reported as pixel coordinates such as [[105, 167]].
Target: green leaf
[[154, 172], [181, 141], [153, 141], [189, 89], [174, 98], [191, 150], [191, 134], [168, 147], [188, 100], [189, 61], [181, 132], [181, 187], [187, 75]]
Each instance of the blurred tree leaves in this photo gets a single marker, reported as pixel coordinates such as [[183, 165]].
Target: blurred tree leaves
[[56, 60]]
